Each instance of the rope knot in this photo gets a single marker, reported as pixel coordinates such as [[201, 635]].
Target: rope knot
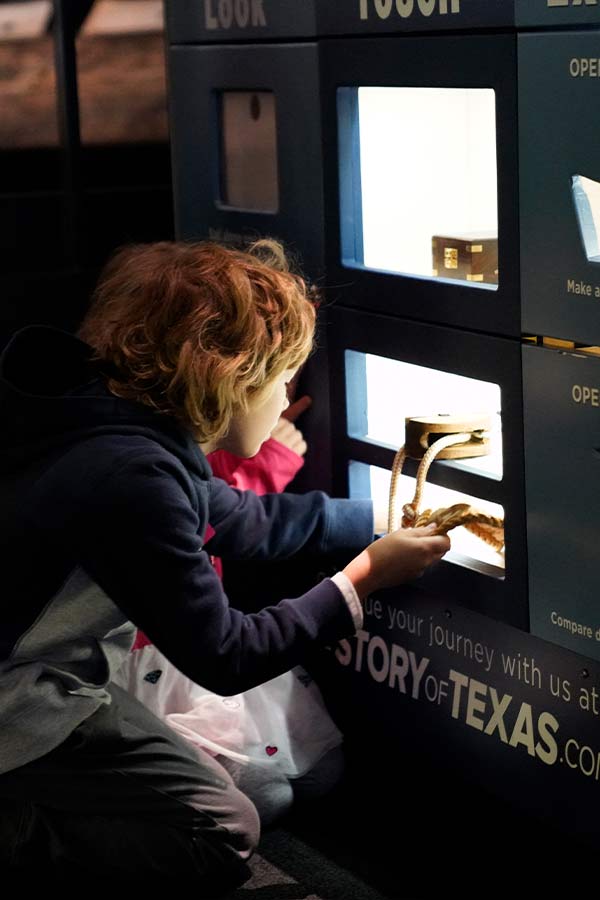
[[410, 514]]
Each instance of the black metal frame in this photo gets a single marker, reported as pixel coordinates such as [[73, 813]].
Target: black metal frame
[[68, 17]]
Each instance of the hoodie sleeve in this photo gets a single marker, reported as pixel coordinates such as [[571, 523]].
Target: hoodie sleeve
[[137, 536], [275, 526]]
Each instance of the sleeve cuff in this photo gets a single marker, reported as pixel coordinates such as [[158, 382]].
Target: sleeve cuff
[[351, 597], [350, 524]]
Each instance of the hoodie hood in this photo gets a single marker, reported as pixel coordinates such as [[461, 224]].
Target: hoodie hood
[[53, 394]]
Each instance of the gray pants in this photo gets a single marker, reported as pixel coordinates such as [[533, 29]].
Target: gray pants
[[125, 797]]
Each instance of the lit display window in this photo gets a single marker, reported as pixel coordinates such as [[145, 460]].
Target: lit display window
[[419, 193], [249, 173], [382, 393], [467, 549]]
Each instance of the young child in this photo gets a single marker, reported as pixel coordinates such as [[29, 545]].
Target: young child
[[277, 740], [106, 501]]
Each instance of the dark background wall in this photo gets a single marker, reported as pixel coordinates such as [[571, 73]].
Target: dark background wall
[[84, 152]]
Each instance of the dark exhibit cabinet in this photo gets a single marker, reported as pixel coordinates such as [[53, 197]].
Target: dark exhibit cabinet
[[435, 164]]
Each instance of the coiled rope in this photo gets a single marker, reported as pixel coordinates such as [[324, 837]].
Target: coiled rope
[[489, 528]]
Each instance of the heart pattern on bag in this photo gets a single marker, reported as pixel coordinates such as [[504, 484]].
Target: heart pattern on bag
[[270, 750]]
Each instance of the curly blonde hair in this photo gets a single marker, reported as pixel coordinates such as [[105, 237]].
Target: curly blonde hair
[[194, 330]]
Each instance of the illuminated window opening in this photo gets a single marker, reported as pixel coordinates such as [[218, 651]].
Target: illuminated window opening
[[381, 393], [418, 173], [467, 550]]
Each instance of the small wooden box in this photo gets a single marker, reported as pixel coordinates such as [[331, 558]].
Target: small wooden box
[[466, 257]]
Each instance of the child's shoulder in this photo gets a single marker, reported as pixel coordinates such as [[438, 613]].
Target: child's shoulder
[[120, 462]]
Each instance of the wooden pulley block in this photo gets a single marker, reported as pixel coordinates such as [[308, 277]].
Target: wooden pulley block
[[423, 431]]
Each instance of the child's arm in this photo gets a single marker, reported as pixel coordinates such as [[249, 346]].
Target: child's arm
[[136, 533], [276, 526]]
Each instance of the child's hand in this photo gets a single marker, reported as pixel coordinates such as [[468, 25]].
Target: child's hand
[[287, 433], [290, 436], [295, 410], [400, 556]]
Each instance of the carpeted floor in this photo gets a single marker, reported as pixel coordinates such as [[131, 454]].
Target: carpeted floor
[[417, 845], [286, 868]]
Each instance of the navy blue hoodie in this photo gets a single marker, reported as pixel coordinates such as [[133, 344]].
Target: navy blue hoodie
[[104, 504]]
